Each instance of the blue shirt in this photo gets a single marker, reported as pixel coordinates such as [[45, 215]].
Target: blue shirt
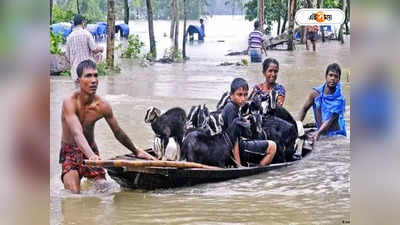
[[329, 104]]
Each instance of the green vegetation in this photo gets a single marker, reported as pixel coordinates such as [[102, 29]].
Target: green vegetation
[[55, 41], [134, 47], [103, 69], [274, 11], [150, 56], [175, 56], [66, 73], [92, 10], [61, 15]]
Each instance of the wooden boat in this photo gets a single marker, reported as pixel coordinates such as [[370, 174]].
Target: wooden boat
[[142, 175]]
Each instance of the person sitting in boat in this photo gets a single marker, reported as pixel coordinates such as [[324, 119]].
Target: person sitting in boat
[[270, 69], [265, 148], [80, 111], [328, 104]]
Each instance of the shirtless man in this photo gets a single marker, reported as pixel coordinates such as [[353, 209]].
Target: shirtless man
[[80, 111]]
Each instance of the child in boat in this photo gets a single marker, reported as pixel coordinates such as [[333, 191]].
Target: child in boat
[[265, 148], [328, 105]]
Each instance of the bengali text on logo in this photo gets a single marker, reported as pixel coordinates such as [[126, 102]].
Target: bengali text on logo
[[319, 16]]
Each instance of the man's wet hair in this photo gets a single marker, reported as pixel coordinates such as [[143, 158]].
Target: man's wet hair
[[78, 20], [256, 24], [201, 20], [239, 83], [267, 62], [334, 67], [84, 65]]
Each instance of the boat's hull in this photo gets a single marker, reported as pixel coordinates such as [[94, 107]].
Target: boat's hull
[[156, 178]]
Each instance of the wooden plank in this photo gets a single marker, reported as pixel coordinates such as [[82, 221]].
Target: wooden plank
[[146, 163]]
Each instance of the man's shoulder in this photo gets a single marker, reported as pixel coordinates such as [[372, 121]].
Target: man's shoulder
[[72, 97], [79, 32], [100, 100], [256, 32], [69, 103], [314, 93], [103, 104]]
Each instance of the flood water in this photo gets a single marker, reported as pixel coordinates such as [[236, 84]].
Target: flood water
[[314, 191]]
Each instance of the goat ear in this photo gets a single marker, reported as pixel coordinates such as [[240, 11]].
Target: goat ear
[[151, 114], [148, 117], [157, 111]]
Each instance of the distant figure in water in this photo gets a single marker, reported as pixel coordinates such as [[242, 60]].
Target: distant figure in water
[[80, 46], [80, 111], [202, 28], [311, 36], [328, 104], [256, 44]]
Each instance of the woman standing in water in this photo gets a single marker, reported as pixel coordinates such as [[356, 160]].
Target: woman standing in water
[[270, 72]]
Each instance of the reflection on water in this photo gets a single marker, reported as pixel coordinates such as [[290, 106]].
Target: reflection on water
[[315, 191]]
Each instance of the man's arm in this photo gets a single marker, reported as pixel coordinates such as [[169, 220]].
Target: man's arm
[[325, 126], [281, 100], [67, 54], [120, 134], [264, 45], [92, 45], [75, 127], [307, 105]]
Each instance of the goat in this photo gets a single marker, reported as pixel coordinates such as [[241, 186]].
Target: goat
[[169, 124], [214, 150], [200, 118], [252, 111], [277, 123], [223, 101]]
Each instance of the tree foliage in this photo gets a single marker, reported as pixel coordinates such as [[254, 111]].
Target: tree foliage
[[277, 9], [61, 15], [92, 10], [55, 41], [274, 11]]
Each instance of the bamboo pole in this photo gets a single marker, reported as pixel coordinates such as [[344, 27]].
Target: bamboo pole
[[260, 15], [110, 33], [184, 30], [145, 163]]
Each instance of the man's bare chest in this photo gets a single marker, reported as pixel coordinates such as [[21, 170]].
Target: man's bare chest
[[89, 115]]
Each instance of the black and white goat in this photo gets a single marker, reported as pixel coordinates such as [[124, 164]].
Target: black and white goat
[[171, 124], [214, 150], [199, 117], [279, 126], [252, 111]]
